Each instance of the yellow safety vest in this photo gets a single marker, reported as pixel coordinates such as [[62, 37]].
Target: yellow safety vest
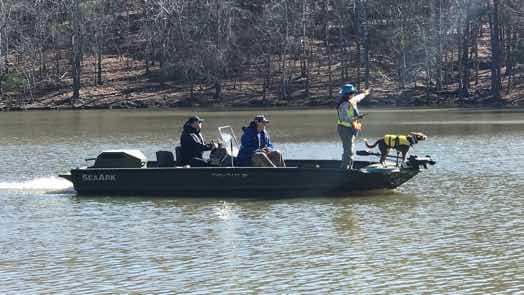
[[351, 112], [394, 141]]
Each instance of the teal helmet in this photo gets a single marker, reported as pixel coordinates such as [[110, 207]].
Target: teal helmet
[[347, 89]]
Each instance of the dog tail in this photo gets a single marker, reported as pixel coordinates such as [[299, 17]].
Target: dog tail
[[370, 146]]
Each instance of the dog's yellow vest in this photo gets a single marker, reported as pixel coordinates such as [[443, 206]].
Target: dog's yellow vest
[[394, 141]]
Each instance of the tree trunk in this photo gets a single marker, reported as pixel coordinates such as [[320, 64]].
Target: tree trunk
[[99, 65], [439, 57], [496, 83], [476, 36], [218, 90], [513, 37], [403, 56], [366, 43], [330, 73], [357, 41], [464, 81], [75, 40], [283, 78]]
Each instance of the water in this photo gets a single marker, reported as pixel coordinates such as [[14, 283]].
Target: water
[[456, 228]]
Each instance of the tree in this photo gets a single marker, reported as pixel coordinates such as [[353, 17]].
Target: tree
[[76, 41], [496, 83]]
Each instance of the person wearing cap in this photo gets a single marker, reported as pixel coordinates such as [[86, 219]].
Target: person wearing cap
[[192, 145], [347, 124], [256, 148]]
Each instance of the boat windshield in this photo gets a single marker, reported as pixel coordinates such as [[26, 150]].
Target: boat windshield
[[229, 140]]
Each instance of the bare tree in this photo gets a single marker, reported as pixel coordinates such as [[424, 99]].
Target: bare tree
[[76, 41]]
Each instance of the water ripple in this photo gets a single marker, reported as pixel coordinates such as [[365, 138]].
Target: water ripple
[[456, 228]]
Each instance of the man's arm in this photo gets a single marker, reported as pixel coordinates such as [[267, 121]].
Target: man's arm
[[247, 142], [197, 145], [357, 98], [269, 144]]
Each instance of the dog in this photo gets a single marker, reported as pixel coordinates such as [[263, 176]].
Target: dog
[[220, 157], [401, 143]]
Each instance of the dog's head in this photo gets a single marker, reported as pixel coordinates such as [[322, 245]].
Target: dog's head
[[418, 136]]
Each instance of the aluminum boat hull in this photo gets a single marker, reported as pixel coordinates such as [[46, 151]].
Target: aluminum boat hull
[[300, 178]]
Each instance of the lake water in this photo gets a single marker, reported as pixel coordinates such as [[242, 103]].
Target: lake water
[[456, 228]]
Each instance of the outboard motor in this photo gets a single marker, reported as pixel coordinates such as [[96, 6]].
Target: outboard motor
[[416, 161], [120, 159]]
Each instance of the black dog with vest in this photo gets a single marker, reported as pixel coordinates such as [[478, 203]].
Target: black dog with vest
[[401, 143]]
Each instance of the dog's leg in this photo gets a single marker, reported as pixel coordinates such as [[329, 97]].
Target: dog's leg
[[383, 154], [384, 150]]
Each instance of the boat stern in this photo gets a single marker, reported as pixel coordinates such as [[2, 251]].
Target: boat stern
[[67, 177]]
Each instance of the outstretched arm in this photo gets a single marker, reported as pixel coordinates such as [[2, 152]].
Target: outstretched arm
[[357, 98]]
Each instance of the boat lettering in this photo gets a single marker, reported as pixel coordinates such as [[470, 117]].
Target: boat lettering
[[243, 175], [98, 177]]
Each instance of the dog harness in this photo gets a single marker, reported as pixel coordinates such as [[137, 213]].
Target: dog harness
[[395, 140]]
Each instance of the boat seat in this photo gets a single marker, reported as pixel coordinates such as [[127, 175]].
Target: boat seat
[[165, 159], [178, 155]]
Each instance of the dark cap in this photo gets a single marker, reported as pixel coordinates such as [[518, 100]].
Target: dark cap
[[261, 118], [194, 119]]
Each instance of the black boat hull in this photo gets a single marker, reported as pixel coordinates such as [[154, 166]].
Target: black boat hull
[[300, 178]]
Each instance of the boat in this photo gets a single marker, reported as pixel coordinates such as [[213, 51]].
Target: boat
[[128, 172]]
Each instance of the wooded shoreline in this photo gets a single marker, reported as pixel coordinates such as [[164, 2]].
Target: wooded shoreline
[[99, 54], [419, 101]]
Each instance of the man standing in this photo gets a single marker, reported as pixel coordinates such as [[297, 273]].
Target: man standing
[[347, 123], [192, 145]]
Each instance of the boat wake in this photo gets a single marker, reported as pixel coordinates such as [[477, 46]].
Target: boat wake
[[52, 184]]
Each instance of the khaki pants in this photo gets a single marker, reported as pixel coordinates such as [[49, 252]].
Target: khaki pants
[[267, 159]]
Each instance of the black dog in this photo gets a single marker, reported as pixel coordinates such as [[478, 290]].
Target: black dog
[[401, 143], [220, 157]]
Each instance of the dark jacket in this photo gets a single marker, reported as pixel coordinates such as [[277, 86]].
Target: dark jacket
[[249, 144], [191, 145]]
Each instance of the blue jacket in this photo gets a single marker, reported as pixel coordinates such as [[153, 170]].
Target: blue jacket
[[249, 144]]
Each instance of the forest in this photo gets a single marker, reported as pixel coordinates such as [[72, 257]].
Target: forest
[[58, 54]]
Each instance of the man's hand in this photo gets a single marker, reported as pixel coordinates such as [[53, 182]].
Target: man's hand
[[361, 116], [212, 145], [366, 92], [266, 150]]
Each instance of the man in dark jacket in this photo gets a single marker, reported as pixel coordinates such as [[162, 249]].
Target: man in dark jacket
[[256, 148], [192, 145]]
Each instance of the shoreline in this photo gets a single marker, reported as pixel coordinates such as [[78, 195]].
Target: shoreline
[[312, 103], [269, 108]]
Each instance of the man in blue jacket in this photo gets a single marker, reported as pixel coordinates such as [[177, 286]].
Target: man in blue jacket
[[256, 148]]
